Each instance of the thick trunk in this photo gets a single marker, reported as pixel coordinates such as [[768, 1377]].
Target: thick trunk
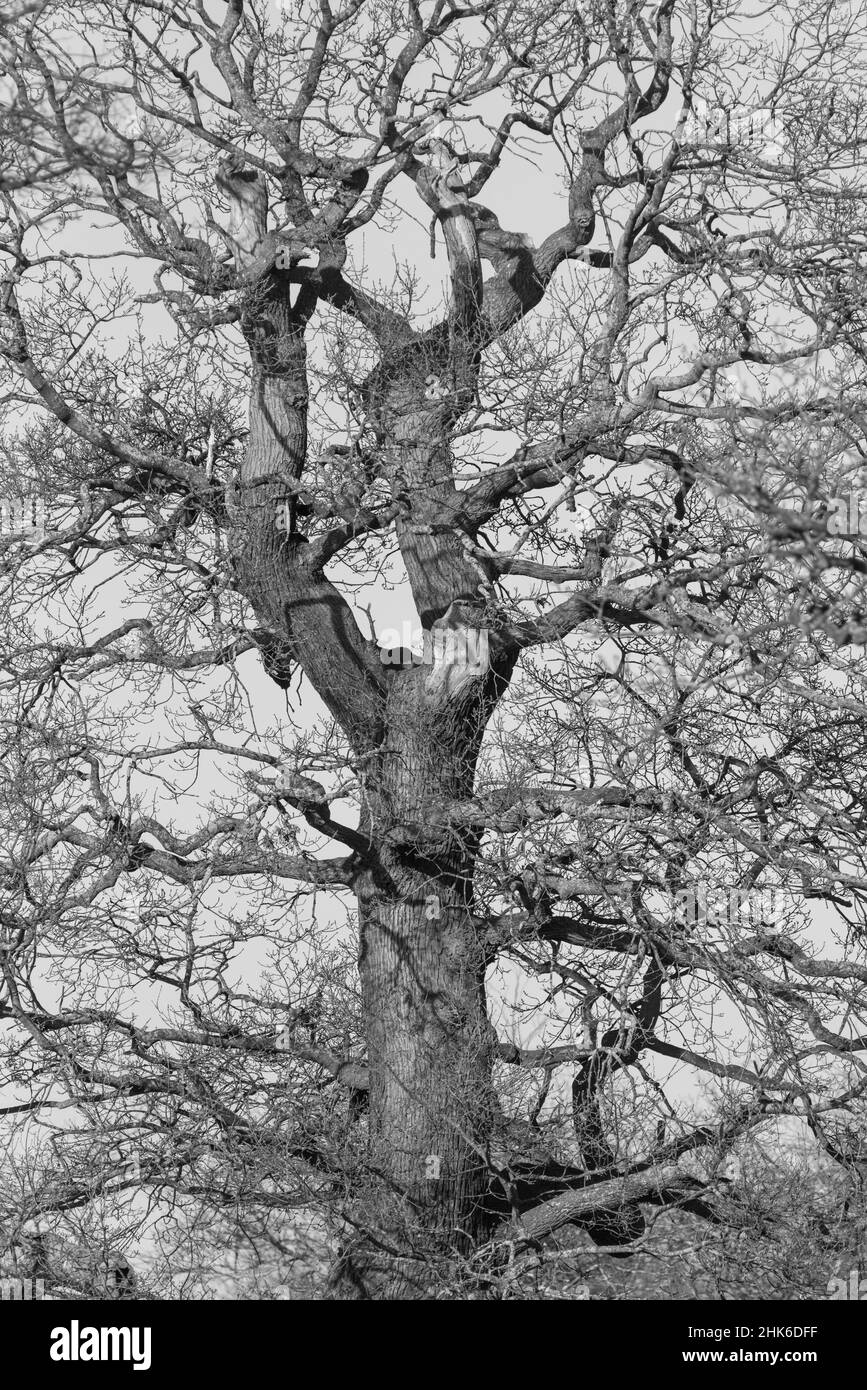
[[429, 1041], [430, 1086]]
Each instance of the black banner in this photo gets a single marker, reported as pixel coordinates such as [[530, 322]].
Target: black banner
[[141, 1339]]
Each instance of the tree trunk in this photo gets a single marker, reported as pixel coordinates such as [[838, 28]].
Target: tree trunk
[[422, 968]]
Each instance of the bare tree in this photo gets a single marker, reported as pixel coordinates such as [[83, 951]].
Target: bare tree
[[602, 465]]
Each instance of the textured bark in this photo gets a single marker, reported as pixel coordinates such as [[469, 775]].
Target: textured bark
[[422, 965], [437, 564], [277, 570], [417, 394]]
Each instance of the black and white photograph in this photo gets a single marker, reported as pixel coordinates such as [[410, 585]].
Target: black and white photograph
[[433, 667]]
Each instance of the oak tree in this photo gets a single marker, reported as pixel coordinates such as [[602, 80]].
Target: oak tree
[[537, 327]]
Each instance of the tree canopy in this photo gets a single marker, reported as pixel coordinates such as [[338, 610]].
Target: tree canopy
[[432, 706]]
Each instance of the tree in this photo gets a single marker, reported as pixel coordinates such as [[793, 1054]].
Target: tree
[[601, 464]]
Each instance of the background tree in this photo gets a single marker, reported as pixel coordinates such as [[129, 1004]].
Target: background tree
[[600, 460]]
